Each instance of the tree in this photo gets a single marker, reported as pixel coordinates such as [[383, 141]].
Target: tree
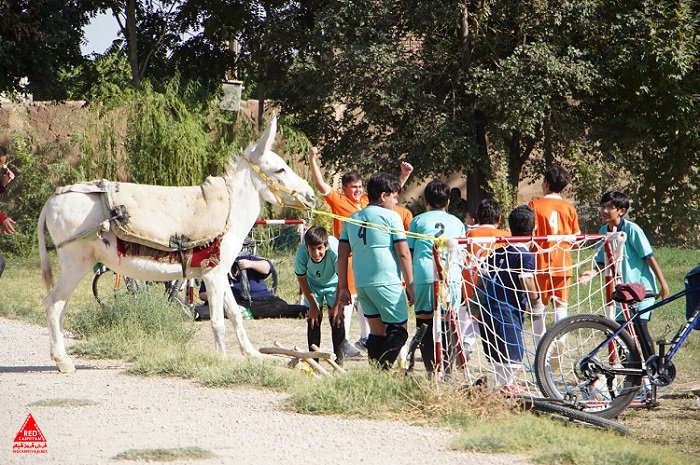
[[645, 114], [38, 40], [448, 85]]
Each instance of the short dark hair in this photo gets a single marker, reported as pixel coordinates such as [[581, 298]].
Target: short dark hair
[[488, 212], [382, 183], [522, 221], [3, 151], [436, 194], [315, 236], [618, 199], [350, 176], [557, 177]]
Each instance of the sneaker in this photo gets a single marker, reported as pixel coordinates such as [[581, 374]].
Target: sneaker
[[361, 345], [509, 391], [350, 351]]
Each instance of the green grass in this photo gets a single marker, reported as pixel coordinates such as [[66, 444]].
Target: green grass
[[157, 341], [165, 455], [548, 441]]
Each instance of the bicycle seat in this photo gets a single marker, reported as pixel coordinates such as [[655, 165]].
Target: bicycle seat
[[631, 293]]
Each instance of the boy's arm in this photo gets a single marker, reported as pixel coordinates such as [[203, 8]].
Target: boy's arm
[[323, 187], [343, 294], [314, 312], [262, 266], [406, 170], [654, 265], [404, 257]]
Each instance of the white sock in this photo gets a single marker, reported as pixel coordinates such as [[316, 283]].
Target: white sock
[[470, 328], [347, 321], [538, 327], [364, 324], [561, 310]]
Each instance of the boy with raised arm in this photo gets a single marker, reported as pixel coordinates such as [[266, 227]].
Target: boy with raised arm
[[351, 199], [553, 216], [435, 222], [377, 240], [315, 265], [508, 282]]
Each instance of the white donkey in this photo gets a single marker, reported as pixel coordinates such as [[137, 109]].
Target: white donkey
[[74, 218]]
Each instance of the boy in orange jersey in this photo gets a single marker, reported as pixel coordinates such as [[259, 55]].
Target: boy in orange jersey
[[553, 216], [351, 199], [488, 215]]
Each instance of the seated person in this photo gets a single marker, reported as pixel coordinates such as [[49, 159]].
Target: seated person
[[247, 279]]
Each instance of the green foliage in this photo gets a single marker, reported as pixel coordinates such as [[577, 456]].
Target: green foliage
[[40, 40], [503, 191], [38, 174], [165, 138]]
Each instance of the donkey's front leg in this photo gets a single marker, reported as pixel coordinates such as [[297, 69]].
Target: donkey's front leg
[[234, 314], [216, 288]]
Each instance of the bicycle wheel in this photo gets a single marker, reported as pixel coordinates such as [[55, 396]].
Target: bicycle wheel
[[107, 286], [567, 370], [575, 415]]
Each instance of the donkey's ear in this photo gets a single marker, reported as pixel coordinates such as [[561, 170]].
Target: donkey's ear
[[267, 140]]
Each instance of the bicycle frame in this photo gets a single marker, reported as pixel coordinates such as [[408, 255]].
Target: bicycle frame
[[675, 343]]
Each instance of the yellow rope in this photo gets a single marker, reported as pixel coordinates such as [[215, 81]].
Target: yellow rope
[[439, 241]]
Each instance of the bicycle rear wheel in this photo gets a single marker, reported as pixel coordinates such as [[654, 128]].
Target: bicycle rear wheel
[[575, 415], [567, 370], [108, 286]]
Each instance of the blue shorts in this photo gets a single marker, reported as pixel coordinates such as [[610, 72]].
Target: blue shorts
[[424, 297], [385, 302]]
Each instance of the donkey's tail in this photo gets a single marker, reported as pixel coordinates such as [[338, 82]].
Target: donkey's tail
[[46, 272]]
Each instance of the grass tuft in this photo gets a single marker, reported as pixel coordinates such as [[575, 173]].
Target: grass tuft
[[165, 455], [63, 402], [548, 442]]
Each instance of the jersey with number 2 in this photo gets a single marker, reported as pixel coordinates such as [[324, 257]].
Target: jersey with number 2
[[434, 223], [374, 260]]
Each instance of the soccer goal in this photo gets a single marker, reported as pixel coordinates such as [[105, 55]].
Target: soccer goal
[[480, 337]]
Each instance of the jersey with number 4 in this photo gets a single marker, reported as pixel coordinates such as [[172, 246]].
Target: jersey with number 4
[[554, 216], [374, 260], [434, 223]]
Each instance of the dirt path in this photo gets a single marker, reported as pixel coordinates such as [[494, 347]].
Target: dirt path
[[247, 426]]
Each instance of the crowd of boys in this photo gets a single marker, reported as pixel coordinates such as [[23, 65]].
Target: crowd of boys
[[382, 271]]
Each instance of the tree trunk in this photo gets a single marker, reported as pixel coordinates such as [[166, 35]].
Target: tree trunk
[[132, 45], [476, 180]]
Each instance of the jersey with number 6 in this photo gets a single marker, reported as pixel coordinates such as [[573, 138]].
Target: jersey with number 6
[[554, 216], [434, 223], [374, 260], [320, 276]]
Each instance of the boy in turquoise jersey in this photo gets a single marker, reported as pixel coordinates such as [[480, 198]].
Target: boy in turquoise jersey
[[315, 265], [380, 256], [435, 222], [638, 264]]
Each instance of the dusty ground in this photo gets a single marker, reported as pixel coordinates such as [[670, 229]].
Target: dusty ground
[[237, 425]]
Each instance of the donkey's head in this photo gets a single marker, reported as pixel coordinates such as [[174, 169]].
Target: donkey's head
[[276, 181]]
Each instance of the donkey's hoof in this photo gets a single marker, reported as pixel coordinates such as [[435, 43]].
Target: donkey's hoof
[[66, 367]]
